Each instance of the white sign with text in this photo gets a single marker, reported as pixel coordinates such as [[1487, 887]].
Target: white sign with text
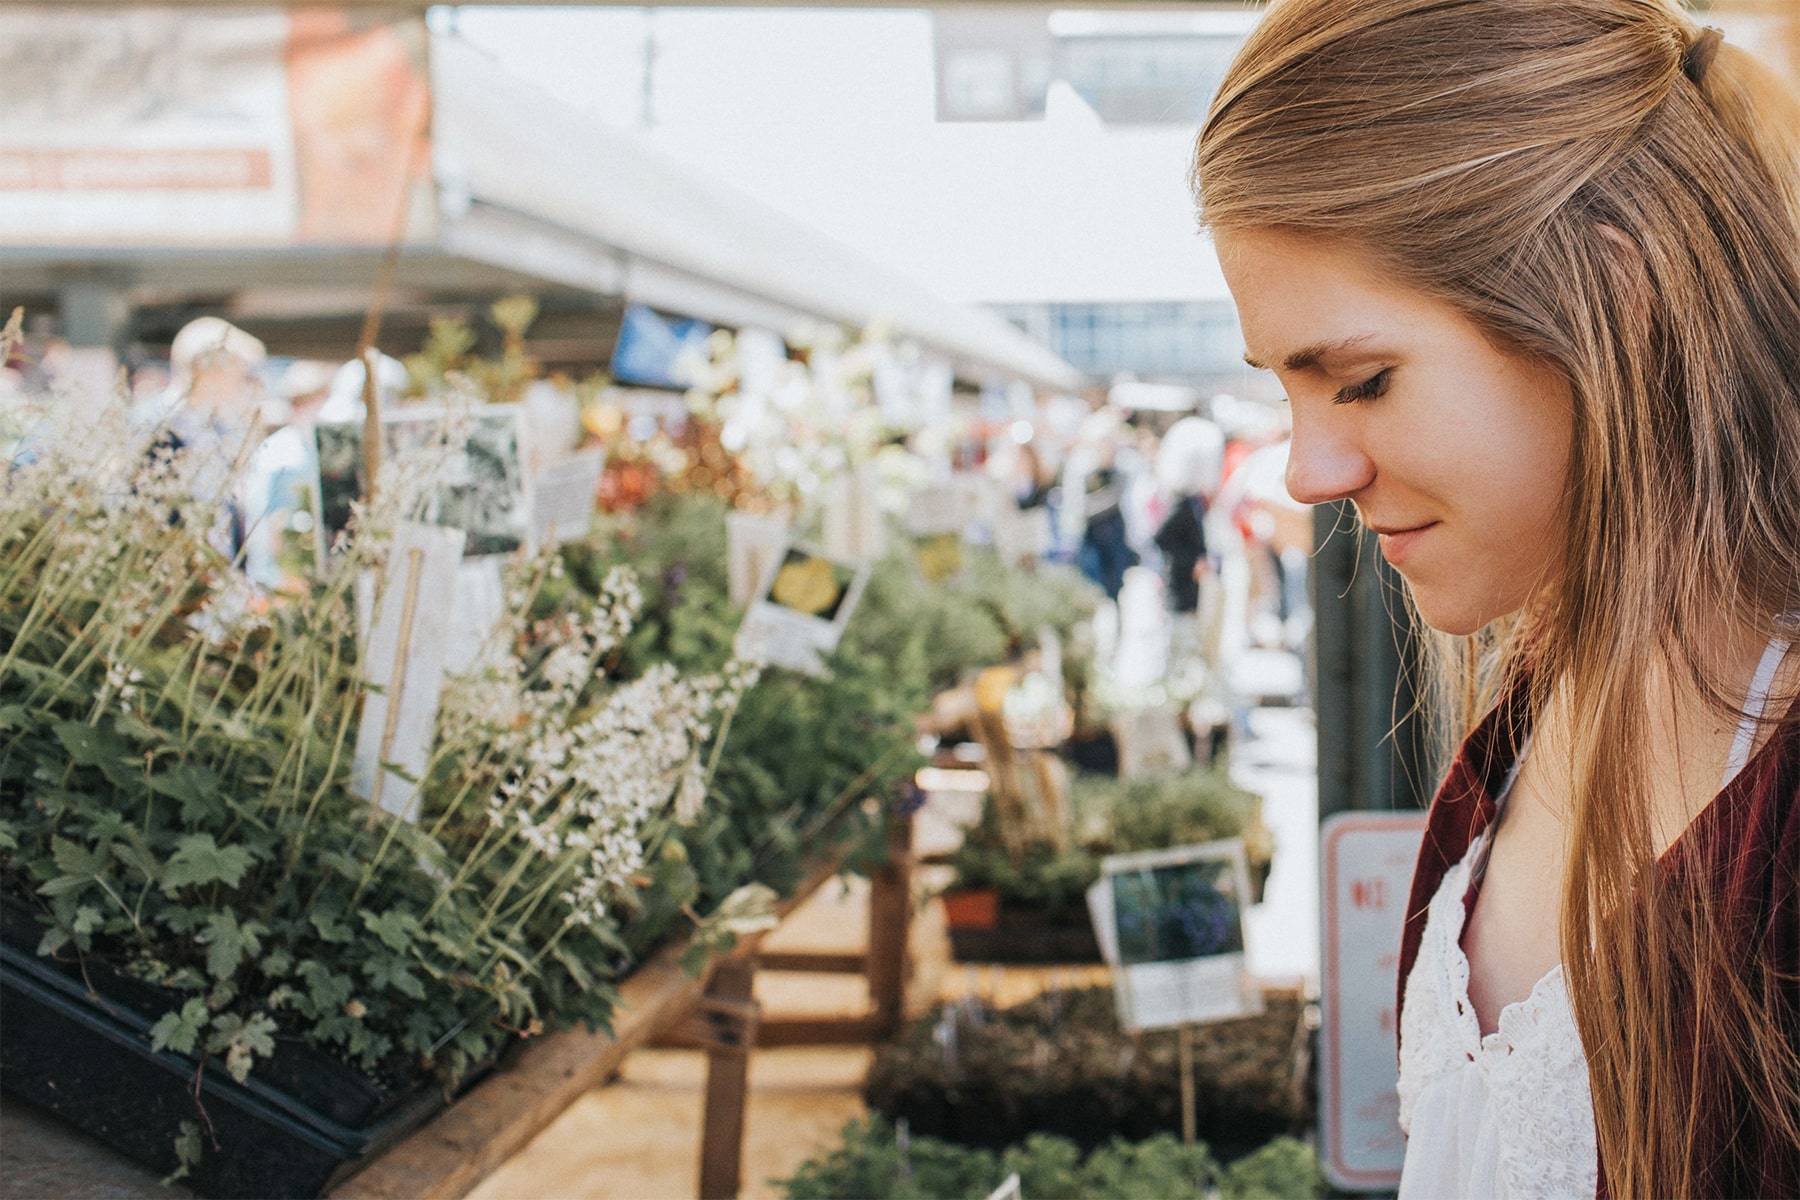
[[1366, 863]]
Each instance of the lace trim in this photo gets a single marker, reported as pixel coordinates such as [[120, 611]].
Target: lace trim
[[1533, 1065]]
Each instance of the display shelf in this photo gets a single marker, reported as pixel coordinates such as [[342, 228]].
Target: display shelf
[[659, 1001]]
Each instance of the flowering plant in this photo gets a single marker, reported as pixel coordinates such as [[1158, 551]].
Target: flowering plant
[[175, 754]]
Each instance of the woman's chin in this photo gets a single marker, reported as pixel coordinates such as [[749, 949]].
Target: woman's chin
[[1456, 615]]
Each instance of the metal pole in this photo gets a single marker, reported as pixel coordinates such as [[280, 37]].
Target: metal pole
[[1373, 749]]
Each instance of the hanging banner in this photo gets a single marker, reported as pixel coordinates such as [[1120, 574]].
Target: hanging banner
[[241, 126]]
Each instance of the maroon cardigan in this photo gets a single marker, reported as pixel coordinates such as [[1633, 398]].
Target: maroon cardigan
[[1747, 841]]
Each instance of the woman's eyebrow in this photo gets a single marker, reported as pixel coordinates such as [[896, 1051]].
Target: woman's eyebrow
[[1314, 354]]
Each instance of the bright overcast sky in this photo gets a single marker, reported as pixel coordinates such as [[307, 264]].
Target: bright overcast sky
[[829, 116]]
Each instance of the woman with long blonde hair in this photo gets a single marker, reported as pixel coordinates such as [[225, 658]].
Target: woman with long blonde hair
[[1529, 271]]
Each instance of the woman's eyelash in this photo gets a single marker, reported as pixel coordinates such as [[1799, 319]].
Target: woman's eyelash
[[1369, 389]]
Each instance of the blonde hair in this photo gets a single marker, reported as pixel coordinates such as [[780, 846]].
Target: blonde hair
[[1601, 187]]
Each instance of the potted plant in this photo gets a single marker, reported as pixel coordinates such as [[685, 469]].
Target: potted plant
[[182, 855], [1040, 887], [1061, 1064], [881, 1160]]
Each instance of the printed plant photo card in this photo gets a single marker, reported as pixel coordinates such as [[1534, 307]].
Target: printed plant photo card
[[486, 491], [1171, 924], [801, 610]]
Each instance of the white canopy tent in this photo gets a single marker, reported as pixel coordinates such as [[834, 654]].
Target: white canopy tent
[[530, 185], [209, 195]]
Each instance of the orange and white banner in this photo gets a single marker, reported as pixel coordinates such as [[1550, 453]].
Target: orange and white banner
[[238, 127]]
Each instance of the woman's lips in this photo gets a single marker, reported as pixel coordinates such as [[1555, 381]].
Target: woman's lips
[[1398, 542]]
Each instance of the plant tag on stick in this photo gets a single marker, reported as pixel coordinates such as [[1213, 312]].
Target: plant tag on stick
[[404, 658], [800, 611], [853, 525], [1171, 925]]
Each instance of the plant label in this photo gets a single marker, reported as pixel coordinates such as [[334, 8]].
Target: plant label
[[1150, 743], [801, 611], [754, 543], [563, 500], [1366, 863], [477, 606], [403, 664], [1171, 925], [481, 486], [853, 525]]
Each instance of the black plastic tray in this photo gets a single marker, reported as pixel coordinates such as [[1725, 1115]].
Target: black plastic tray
[[89, 1061]]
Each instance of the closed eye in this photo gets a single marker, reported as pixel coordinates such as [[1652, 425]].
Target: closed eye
[[1371, 388]]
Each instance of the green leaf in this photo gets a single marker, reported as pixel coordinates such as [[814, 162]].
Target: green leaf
[[227, 942], [392, 973], [188, 1149], [183, 919], [241, 1040], [195, 786], [138, 859], [578, 971], [325, 989], [72, 858], [89, 745], [395, 928], [9, 835], [198, 859], [343, 864], [330, 928], [14, 716], [136, 729], [180, 1031]]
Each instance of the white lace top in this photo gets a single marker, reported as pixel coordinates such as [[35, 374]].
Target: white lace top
[[1506, 1115], [1509, 1114]]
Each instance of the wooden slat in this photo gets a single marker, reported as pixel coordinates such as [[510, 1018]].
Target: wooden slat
[[850, 963], [890, 918], [470, 1140], [823, 1031], [727, 1080]]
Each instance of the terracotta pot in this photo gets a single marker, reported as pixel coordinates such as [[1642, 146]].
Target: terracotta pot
[[973, 908]]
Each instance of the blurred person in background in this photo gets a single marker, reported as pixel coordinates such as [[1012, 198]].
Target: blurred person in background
[[1093, 489], [1188, 463], [283, 472], [214, 412]]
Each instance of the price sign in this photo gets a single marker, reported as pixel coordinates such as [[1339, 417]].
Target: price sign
[[1366, 865]]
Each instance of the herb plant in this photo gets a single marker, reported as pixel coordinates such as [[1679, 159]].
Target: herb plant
[[175, 752], [877, 1162]]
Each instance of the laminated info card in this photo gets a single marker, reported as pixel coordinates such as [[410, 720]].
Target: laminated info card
[[404, 665], [563, 500], [481, 483], [800, 611], [1171, 924]]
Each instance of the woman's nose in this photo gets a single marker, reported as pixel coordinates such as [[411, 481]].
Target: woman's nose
[[1323, 467]]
